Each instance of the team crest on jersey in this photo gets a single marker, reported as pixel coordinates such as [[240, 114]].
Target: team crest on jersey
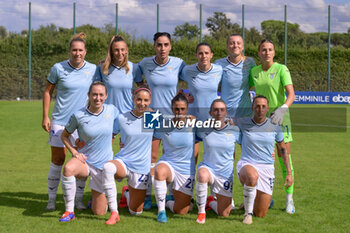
[[272, 75], [228, 135]]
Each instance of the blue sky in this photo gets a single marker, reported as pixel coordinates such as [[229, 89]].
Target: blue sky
[[138, 17]]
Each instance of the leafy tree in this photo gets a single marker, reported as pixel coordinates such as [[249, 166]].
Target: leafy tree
[[186, 30], [220, 27], [3, 32]]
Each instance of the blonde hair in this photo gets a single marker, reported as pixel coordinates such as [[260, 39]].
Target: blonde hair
[[78, 37], [242, 55], [109, 58]]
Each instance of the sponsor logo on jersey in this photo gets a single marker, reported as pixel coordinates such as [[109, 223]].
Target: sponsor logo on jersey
[[171, 68]]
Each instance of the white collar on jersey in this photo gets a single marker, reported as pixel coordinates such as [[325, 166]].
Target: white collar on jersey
[[74, 67], [228, 59]]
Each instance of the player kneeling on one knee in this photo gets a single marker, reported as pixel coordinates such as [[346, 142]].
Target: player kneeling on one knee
[[255, 169], [216, 169], [94, 124], [177, 164], [133, 161]]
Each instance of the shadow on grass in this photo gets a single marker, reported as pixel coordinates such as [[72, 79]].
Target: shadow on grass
[[34, 205]]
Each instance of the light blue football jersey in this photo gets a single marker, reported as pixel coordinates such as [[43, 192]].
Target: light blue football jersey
[[96, 131], [235, 86], [72, 89], [178, 146], [162, 80], [204, 88], [136, 153], [258, 140], [219, 147], [119, 85]]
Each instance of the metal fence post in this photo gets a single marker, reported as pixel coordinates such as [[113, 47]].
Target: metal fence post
[[285, 35], [116, 18], [329, 48], [74, 29], [30, 52]]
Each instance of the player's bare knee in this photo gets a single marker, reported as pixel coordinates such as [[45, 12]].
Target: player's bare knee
[[260, 213], [68, 170], [252, 179], [202, 176], [182, 211], [224, 213], [99, 211]]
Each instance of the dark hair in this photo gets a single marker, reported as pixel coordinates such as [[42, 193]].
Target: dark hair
[[143, 87], [179, 97], [97, 83], [78, 37], [109, 58], [260, 97], [159, 34], [203, 44], [235, 34], [217, 101], [264, 41]]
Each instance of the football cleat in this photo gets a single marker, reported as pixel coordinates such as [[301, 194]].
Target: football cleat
[[290, 209], [201, 218], [67, 217], [209, 199], [113, 219], [248, 219], [271, 203], [147, 205], [123, 202], [162, 217]]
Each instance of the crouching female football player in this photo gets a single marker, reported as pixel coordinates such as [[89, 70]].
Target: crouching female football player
[[216, 169], [177, 164], [133, 160], [256, 169], [94, 124]]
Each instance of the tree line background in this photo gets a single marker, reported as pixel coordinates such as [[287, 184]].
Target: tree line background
[[307, 52]]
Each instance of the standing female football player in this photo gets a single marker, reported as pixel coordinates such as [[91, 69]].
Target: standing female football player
[[94, 124], [235, 79], [118, 74], [72, 79], [177, 164], [273, 81], [133, 161], [162, 75], [255, 168], [216, 169], [203, 79]]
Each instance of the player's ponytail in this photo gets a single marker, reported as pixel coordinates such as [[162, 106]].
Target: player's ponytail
[[110, 59], [78, 37], [179, 97]]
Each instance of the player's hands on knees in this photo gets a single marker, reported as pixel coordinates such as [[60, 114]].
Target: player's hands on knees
[[46, 124], [80, 156], [289, 180], [79, 144]]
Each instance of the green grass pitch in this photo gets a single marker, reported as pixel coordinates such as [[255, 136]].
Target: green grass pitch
[[322, 188]]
